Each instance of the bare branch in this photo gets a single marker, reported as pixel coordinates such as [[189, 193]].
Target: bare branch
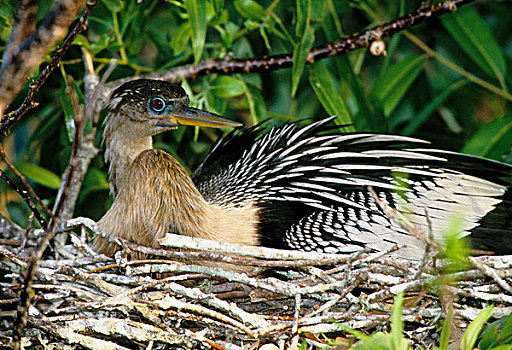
[[24, 182], [52, 30], [24, 194], [353, 42]]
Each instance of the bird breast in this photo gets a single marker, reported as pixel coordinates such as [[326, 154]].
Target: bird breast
[[157, 196]]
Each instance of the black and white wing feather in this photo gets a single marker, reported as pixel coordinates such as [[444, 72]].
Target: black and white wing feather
[[312, 185]]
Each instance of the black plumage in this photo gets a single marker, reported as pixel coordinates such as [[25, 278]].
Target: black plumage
[[311, 184]]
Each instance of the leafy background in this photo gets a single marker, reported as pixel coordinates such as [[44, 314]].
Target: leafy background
[[446, 81]]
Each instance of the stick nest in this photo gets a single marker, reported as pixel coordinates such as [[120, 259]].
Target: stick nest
[[282, 300]]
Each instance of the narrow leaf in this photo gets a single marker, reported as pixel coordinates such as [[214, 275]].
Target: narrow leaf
[[39, 175], [259, 112], [447, 328], [396, 81], [397, 324], [471, 333], [69, 115], [473, 35], [422, 116], [180, 38], [196, 10], [300, 54], [322, 84], [491, 140], [303, 7]]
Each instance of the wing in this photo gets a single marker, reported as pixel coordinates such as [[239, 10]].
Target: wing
[[312, 185]]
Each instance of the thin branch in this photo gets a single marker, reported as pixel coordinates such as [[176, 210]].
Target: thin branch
[[8, 120], [84, 150], [24, 194], [353, 42], [490, 272], [468, 75], [25, 182]]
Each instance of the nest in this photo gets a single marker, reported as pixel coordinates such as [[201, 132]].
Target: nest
[[285, 298]]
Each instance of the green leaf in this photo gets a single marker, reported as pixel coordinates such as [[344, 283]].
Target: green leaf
[[259, 102], [255, 102], [114, 5], [396, 81], [492, 140], [218, 5], [303, 16], [250, 9], [81, 40], [225, 86], [216, 104], [471, 333], [476, 39], [447, 328], [196, 10], [181, 37], [489, 337], [69, 115], [300, 54], [422, 116], [100, 44], [321, 82], [39, 175], [397, 324]]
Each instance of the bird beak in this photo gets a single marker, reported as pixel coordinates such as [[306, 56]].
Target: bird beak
[[183, 114]]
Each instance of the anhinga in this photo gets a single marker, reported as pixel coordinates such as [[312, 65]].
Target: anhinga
[[304, 188]]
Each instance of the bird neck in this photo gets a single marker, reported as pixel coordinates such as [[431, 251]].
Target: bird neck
[[121, 149], [154, 195], [159, 197]]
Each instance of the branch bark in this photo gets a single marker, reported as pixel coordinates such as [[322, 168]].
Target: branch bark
[[24, 56], [270, 63], [23, 64]]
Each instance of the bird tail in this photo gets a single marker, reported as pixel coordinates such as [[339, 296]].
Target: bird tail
[[494, 230]]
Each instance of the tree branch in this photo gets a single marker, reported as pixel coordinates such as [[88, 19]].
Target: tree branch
[[23, 64], [270, 63]]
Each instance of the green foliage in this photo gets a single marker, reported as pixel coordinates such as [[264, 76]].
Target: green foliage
[[394, 83], [474, 37], [446, 330], [39, 175], [471, 334], [385, 341], [498, 335], [492, 140], [446, 81]]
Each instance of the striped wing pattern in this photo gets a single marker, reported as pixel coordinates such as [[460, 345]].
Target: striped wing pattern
[[312, 185]]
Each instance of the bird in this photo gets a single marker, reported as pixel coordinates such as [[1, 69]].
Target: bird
[[301, 187]]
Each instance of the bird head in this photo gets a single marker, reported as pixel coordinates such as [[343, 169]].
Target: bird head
[[154, 106]]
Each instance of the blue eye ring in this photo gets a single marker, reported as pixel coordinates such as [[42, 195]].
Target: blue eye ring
[[157, 104]]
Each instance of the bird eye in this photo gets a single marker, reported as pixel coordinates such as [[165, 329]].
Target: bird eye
[[157, 104]]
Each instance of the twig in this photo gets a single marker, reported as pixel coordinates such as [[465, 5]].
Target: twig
[[426, 253], [180, 241], [296, 314], [490, 272], [26, 198], [353, 42], [83, 150], [25, 182], [61, 16]]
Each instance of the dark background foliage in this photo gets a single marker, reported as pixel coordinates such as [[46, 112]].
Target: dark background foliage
[[446, 81]]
